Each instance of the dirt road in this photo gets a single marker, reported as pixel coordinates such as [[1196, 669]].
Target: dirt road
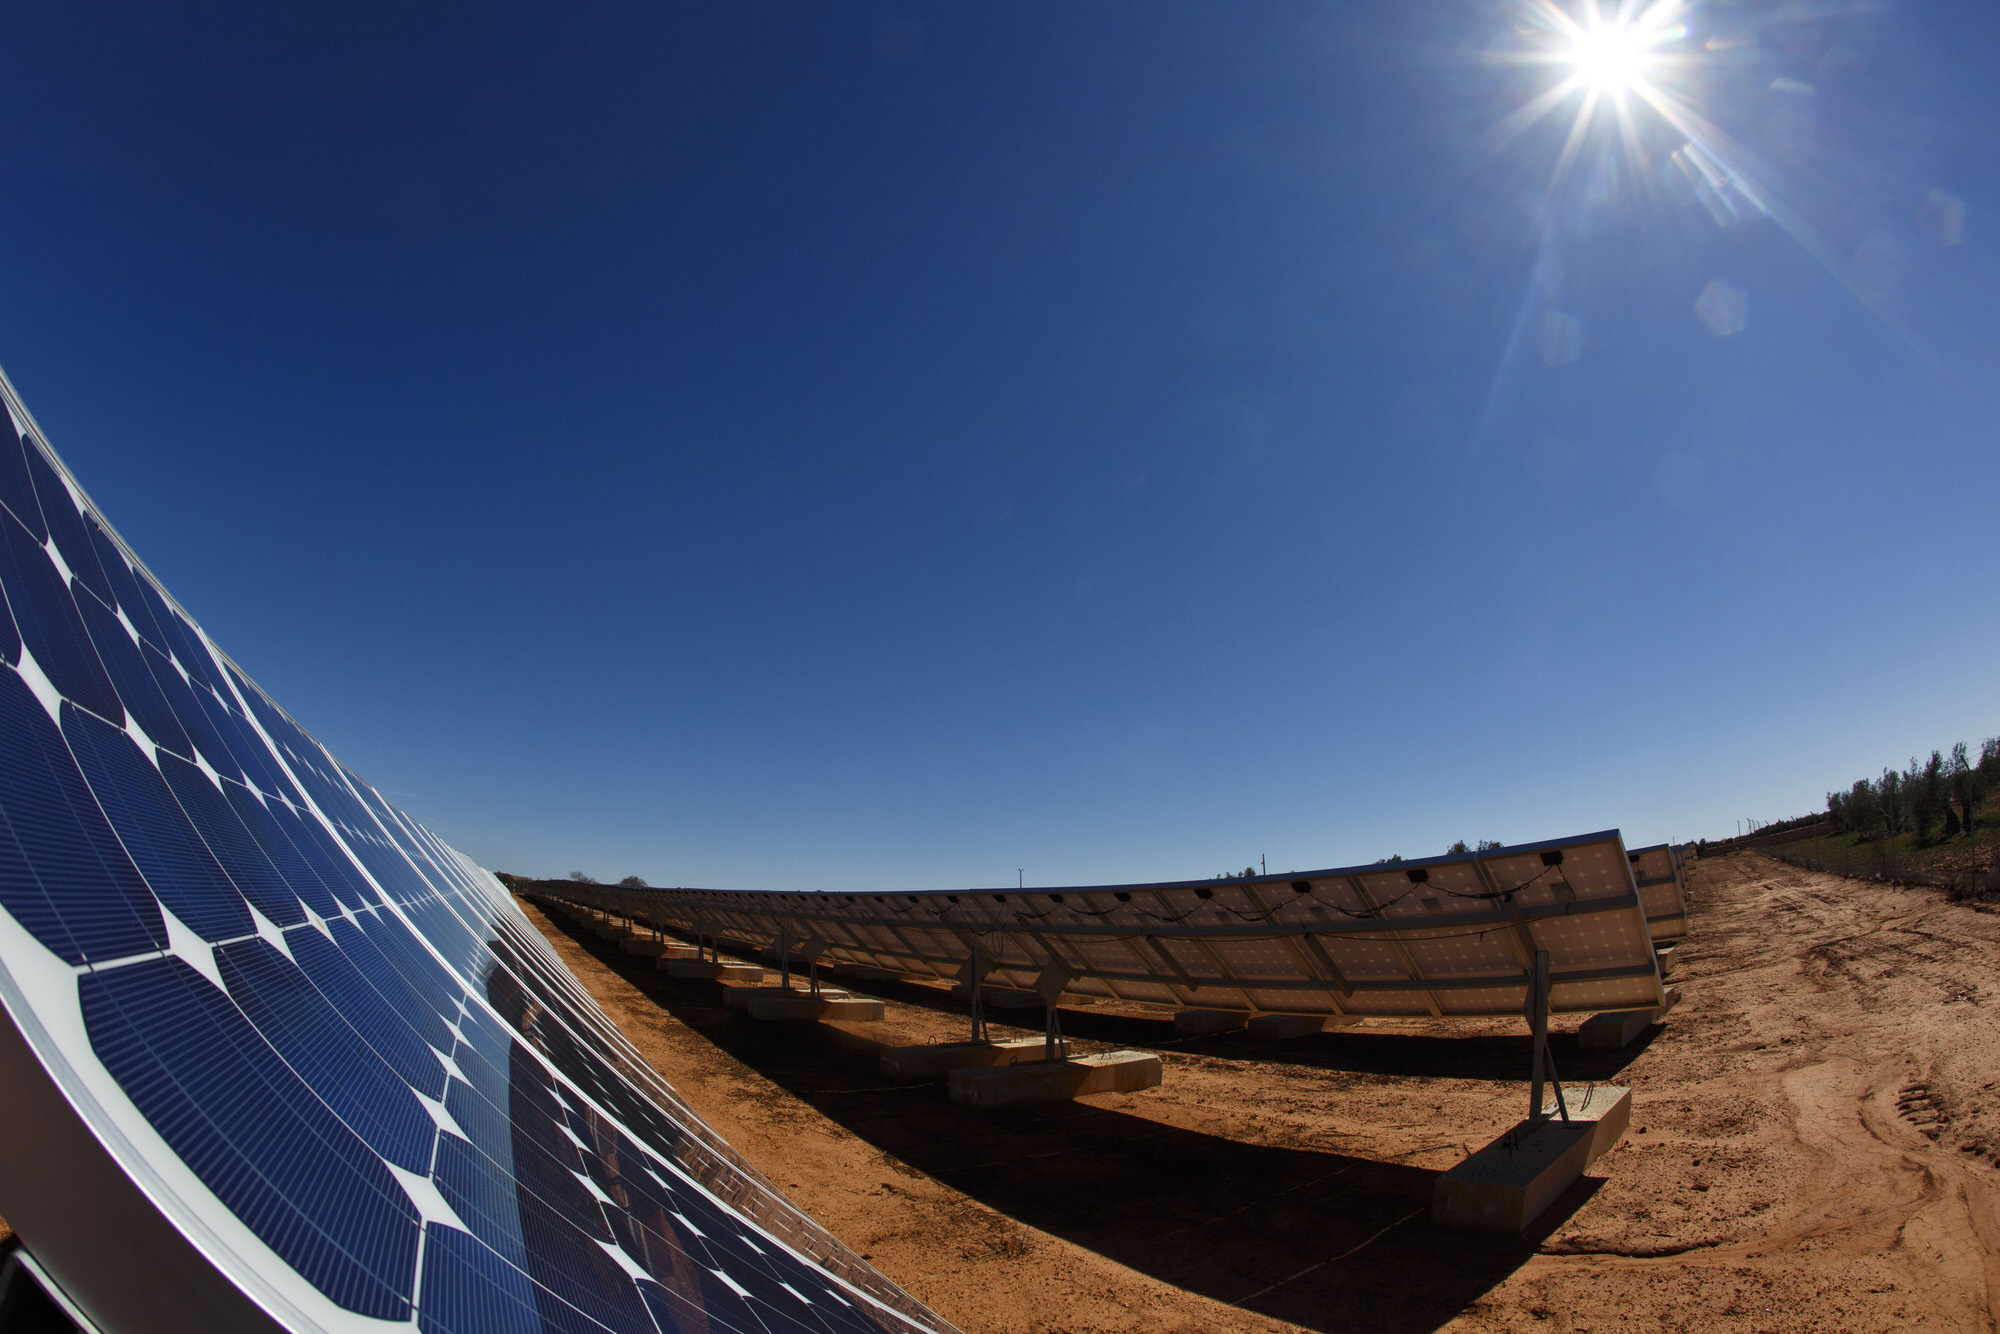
[[1812, 1146]]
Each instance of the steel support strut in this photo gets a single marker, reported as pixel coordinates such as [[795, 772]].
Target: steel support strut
[[976, 978], [1538, 1020]]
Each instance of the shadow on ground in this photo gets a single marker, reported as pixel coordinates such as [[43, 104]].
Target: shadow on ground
[[1313, 1238]]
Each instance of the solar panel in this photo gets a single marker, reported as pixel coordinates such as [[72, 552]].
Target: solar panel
[[1662, 884], [280, 1058], [1442, 937]]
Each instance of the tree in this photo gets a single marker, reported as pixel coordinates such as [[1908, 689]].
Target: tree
[[1965, 784], [1889, 800], [1456, 848], [632, 882], [1925, 786], [1490, 844], [1863, 808], [582, 879]]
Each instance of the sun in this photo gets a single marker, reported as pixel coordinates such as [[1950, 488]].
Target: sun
[[1622, 62], [1611, 56]]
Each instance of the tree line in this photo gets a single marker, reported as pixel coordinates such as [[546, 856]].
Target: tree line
[[1939, 794]]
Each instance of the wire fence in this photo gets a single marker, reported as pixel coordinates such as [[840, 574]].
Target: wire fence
[[1966, 871]]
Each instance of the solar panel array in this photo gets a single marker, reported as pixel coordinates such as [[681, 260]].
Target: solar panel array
[[322, 1044], [1446, 936], [1662, 881]]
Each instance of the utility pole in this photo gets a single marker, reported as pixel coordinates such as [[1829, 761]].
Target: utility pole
[[1263, 863], [1020, 878]]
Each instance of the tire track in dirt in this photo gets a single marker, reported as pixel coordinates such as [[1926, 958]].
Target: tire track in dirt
[[1827, 1049]]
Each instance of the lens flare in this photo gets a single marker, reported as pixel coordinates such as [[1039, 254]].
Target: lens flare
[[1648, 114], [1612, 56]]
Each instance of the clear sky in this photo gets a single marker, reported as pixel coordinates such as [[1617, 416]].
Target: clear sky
[[821, 445]]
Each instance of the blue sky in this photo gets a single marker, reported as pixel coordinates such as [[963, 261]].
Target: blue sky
[[816, 446]]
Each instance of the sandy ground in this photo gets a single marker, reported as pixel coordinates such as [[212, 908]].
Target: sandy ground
[[1812, 1146]]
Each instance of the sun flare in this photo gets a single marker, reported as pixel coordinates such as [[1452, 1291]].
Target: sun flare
[[1624, 66], [1612, 56]]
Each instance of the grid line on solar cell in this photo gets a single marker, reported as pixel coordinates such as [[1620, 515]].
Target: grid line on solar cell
[[254, 1134]]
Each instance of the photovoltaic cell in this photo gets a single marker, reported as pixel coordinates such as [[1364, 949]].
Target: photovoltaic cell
[[17, 493], [125, 595], [207, 745], [125, 663], [64, 875], [470, 1289], [308, 1031], [382, 1096], [10, 638], [51, 626], [248, 1126], [134, 792], [66, 527]]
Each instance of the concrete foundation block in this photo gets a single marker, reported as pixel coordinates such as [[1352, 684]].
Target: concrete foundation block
[[1506, 1185], [1210, 1021], [738, 998], [1609, 1032], [1663, 955], [650, 949], [804, 1005], [1607, 1107], [1055, 1081], [702, 969]]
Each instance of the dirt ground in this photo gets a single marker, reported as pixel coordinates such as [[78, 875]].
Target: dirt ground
[[1812, 1146]]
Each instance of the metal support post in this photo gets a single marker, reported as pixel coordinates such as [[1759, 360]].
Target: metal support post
[[785, 957], [1538, 1019], [976, 979]]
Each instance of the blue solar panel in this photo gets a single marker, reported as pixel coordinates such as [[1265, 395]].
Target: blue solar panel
[[17, 493], [133, 791], [331, 1045], [10, 638], [125, 594], [64, 875], [66, 527], [329, 1055], [51, 627], [124, 661], [254, 1133]]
